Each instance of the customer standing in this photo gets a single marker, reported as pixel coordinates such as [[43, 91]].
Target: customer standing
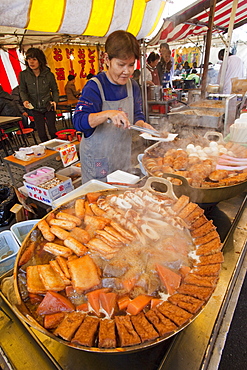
[[165, 66], [235, 68], [109, 103], [39, 92], [70, 89]]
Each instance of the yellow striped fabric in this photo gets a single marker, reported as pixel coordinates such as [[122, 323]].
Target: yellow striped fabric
[[158, 17], [46, 15], [138, 11], [100, 18]]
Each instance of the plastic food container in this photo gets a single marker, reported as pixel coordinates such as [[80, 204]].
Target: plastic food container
[[8, 251], [21, 229], [39, 176], [68, 134]]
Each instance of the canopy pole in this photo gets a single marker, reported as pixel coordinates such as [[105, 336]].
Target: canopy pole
[[143, 79], [208, 46], [228, 41]]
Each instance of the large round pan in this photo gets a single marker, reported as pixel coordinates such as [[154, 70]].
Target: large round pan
[[34, 235], [200, 195]]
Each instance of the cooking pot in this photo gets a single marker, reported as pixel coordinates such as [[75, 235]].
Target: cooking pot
[[200, 195], [156, 92], [34, 236]]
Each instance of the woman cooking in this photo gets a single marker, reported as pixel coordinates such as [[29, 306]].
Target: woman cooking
[[109, 103]]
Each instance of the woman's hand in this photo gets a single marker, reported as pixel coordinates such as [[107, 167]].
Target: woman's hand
[[118, 118], [115, 117]]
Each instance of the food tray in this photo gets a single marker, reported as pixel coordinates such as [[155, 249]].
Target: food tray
[[92, 185], [39, 176], [54, 143], [21, 229], [8, 244]]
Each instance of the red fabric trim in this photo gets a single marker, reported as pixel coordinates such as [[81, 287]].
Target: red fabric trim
[[13, 57], [4, 78]]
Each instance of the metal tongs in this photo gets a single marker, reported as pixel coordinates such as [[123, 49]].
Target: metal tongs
[[142, 129], [147, 130]]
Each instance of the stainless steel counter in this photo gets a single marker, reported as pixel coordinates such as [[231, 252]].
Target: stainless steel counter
[[190, 349]]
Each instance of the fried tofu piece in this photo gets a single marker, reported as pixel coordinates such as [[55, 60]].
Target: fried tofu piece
[[80, 208], [84, 273], [126, 332], [107, 334], [54, 264], [203, 230], [187, 210], [59, 232], [117, 235], [64, 224], [44, 227], [71, 322], [63, 265], [51, 280], [174, 313], [161, 323], [181, 203], [198, 222], [34, 283], [199, 292], [207, 238], [57, 250], [97, 210], [208, 270], [206, 281], [211, 247], [52, 321], [68, 217], [143, 327], [78, 248], [126, 234], [80, 234], [101, 247], [211, 259], [86, 333], [186, 302], [194, 215]]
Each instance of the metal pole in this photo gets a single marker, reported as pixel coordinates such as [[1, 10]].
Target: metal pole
[[208, 46], [228, 41], [143, 79]]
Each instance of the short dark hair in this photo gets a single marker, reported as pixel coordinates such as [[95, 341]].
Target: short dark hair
[[165, 45], [122, 44], [71, 77], [38, 54], [152, 57], [194, 71]]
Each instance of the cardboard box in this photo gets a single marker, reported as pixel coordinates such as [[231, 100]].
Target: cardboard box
[[48, 195], [73, 173]]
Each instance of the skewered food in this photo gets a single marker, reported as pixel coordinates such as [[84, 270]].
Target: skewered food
[[204, 164]]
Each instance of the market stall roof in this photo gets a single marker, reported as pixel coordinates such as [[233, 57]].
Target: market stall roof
[[25, 22], [193, 20]]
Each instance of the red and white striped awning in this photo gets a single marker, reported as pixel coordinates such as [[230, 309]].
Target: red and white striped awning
[[10, 66], [172, 32]]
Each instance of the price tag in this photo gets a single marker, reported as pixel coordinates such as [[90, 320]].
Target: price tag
[[68, 154]]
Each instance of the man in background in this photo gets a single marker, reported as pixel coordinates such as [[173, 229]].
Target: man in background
[[235, 68], [70, 89], [163, 66]]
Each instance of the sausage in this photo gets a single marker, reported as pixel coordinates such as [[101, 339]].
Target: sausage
[[80, 208], [44, 227], [78, 248], [59, 232], [64, 224], [68, 217]]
